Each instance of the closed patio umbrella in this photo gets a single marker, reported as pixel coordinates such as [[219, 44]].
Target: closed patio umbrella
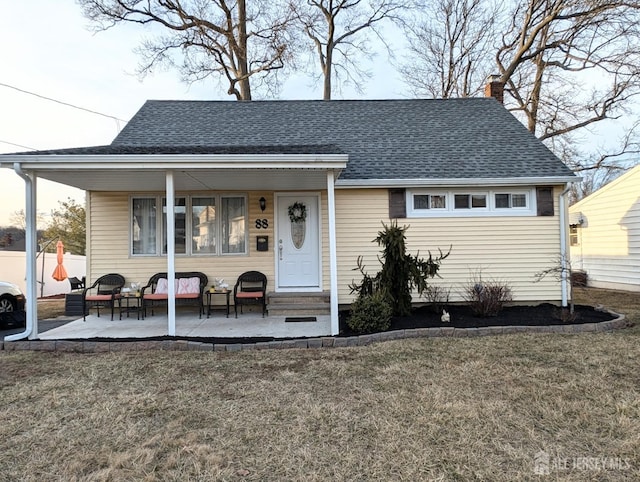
[[59, 274]]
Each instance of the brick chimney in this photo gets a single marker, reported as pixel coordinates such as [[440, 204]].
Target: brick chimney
[[494, 88]]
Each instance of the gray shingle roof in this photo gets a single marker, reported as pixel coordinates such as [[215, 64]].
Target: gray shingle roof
[[385, 139], [222, 150]]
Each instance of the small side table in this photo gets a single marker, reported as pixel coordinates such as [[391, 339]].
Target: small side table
[[132, 304], [210, 295]]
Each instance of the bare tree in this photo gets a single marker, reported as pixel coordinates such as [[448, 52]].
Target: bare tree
[[567, 66], [553, 50], [18, 219], [448, 44], [336, 29], [223, 38]]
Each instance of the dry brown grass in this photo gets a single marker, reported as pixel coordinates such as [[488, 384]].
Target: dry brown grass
[[425, 409], [50, 309]]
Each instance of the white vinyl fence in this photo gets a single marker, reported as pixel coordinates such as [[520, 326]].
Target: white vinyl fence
[[13, 268]]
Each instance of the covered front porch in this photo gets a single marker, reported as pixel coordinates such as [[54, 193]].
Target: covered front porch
[[187, 325], [113, 178]]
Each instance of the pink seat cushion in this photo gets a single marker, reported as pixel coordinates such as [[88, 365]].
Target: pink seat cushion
[[249, 294], [98, 298], [188, 295], [156, 296]]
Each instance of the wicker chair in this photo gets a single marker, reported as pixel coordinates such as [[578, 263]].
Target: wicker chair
[[104, 291], [250, 289], [76, 284]]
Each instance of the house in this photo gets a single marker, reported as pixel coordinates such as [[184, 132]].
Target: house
[[238, 175], [605, 234]]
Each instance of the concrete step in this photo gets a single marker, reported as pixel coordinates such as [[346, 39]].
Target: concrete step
[[295, 309], [298, 298]]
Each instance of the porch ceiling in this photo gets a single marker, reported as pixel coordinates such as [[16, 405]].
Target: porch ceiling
[[140, 180]]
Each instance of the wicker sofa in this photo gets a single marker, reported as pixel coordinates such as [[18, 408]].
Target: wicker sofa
[[190, 287]]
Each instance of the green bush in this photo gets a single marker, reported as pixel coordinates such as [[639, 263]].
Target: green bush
[[401, 272], [370, 314]]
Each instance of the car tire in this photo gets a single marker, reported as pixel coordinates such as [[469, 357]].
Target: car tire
[[7, 304]]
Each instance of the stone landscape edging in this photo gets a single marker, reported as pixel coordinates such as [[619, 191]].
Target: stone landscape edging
[[307, 343]]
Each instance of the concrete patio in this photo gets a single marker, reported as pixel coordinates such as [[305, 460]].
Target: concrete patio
[[248, 325]]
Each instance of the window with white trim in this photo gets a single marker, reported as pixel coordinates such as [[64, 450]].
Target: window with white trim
[[204, 225], [423, 201], [574, 236], [460, 202], [470, 201], [509, 200]]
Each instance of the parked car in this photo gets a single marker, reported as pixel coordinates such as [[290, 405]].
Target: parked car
[[11, 304]]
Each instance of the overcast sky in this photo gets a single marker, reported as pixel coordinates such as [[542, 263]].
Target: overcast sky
[[46, 48]]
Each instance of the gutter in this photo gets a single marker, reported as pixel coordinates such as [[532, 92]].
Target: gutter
[[453, 182], [564, 264], [31, 326]]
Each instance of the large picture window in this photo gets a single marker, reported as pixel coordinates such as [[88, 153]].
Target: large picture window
[[204, 225]]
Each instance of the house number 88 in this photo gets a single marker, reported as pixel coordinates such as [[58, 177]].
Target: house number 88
[[262, 223]]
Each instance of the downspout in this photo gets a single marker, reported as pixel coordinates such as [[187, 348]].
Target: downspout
[[31, 326], [562, 205]]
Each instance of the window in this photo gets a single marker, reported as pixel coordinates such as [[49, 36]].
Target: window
[[511, 200], [462, 203], [470, 201], [233, 225], [180, 225], [204, 225], [574, 236], [429, 201], [143, 226]]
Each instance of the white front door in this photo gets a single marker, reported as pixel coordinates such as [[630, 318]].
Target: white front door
[[298, 242]]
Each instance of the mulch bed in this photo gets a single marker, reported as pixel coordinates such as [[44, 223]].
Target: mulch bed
[[461, 316]]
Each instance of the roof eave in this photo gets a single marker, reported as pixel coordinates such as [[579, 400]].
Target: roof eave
[[456, 182], [176, 161]]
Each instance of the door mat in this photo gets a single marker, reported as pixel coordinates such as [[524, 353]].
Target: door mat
[[299, 319]]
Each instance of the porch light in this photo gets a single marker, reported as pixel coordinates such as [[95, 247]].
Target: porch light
[[263, 203]]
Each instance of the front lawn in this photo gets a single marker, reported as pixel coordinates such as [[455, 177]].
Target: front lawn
[[419, 409]]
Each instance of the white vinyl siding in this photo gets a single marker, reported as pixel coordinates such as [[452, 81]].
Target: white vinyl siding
[[609, 237]]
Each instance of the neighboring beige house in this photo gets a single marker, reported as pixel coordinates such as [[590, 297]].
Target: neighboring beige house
[[461, 172], [605, 234]]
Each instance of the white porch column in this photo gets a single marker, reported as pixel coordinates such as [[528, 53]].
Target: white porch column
[[171, 254], [31, 247], [333, 256]]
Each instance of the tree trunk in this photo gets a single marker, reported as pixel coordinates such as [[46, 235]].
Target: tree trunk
[[328, 61], [327, 73], [243, 67]]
